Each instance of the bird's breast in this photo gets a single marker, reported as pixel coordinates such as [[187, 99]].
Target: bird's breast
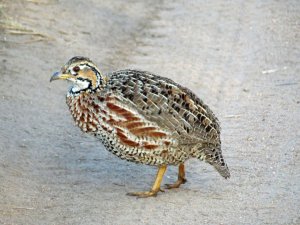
[[107, 116]]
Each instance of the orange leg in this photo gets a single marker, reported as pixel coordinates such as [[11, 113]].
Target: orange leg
[[181, 178], [155, 188]]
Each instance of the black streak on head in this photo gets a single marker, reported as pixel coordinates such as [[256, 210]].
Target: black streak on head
[[76, 59]]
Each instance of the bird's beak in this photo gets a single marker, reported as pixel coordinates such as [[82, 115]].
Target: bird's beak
[[59, 76]]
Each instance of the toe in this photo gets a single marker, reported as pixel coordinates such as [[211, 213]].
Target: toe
[[145, 194], [170, 186]]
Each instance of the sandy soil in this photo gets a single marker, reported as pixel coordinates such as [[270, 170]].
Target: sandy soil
[[241, 57]]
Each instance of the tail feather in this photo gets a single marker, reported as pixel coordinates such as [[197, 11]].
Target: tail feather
[[222, 169], [214, 157]]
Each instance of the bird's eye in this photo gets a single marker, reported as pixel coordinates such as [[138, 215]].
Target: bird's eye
[[76, 69]]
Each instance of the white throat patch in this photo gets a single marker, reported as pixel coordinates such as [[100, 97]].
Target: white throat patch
[[80, 85]]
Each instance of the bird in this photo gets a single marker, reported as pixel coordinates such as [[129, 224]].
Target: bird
[[143, 118]]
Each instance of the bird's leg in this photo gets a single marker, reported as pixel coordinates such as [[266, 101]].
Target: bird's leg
[[181, 178], [156, 186]]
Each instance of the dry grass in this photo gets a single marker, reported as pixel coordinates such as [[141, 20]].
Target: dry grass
[[39, 1], [11, 26]]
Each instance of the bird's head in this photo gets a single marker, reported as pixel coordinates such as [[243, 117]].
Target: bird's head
[[82, 72]]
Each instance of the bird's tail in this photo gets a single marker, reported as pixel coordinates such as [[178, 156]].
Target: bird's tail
[[215, 158], [222, 168]]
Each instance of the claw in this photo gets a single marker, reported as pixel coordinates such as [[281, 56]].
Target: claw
[[145, 194], [181, 178], [156, 186], [176, 184]]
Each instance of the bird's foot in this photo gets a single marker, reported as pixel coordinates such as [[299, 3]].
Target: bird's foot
[[176, 184], [145, 194]]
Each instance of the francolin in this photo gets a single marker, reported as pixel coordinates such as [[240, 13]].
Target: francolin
[[143, 118]]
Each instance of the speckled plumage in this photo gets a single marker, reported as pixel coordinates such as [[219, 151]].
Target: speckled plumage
[[145, 118]]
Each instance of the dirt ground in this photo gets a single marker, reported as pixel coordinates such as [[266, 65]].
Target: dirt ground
[[240, 57]]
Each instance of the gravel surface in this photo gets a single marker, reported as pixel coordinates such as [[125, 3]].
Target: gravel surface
[[240, 57]]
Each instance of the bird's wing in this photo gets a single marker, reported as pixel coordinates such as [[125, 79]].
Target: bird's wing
[[171, 106]]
